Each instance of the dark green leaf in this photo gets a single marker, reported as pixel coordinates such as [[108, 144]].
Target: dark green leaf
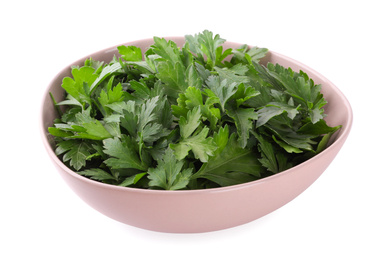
[[233, 165], [75, 152], [129, 181], [123, 154], [169, 174], [98, 174], [243, 118], [222, 89]]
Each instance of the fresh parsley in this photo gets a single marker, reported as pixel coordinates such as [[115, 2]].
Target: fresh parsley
[[194, 117]]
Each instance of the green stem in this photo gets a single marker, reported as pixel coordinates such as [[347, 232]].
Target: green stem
[[56, 105]]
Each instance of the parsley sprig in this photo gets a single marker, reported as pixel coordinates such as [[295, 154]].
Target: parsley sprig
[[194, 117]]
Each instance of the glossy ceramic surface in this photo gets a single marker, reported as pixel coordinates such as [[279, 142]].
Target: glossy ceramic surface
[[200, 210]]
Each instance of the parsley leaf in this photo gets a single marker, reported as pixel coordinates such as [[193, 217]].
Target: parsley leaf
[[271, 159], [193, 97], [173, 76], [193, 139], [231, 164], [108, 71], [83, 127], [223, 89], [75, 152], [301, 88], [243, 119], [169, 174], [273, 109], [247, 55], [79, 85], [98, 174], [244, 93], [132, 180], [167, 50], [110, 96], [130, 53], [123, 154], [206, 45]]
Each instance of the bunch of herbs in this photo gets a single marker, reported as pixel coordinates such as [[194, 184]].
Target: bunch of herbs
[[191, 117]]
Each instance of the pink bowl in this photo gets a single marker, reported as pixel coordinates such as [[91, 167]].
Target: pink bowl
[[192, 211]]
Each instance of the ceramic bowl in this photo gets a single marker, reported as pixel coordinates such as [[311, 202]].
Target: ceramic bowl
[[192, 211]]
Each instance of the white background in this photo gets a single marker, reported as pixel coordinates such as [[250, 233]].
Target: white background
[[341, 216]]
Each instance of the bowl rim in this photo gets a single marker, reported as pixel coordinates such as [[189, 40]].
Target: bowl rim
[[344, 131]]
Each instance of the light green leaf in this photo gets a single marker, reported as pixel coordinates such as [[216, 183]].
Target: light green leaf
[[192, 78], [75, 86], [190, 124], [146, 114], [130, 53], [206, 44], [168, 50], [93, 129], [111, 96], [173, 76], [192, 98], [201, 146], [118, 107], [107, 71], [84, 127]]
